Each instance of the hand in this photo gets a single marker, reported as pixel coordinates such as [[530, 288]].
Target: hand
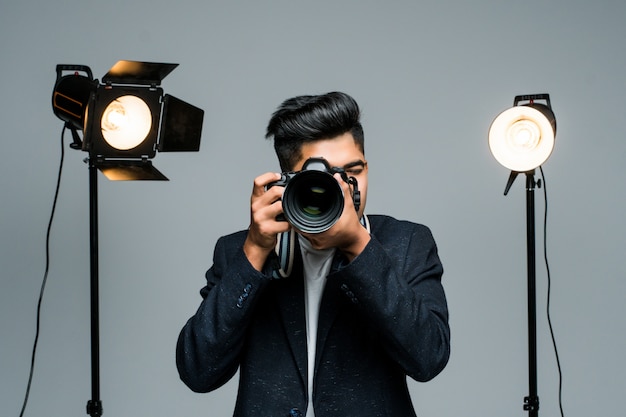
[[265, 205], [348, 234]]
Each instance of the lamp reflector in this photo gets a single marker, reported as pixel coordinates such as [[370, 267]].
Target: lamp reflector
[[522, 137], [126, 122]]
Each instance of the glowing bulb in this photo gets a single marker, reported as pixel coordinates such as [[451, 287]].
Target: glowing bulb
[[126, 122], [523, 135], [521, 138]]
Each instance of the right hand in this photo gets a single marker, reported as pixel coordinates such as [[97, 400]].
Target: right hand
[[265, 205]]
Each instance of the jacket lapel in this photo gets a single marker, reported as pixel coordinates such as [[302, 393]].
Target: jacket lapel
[[331, 301], [327, 314]]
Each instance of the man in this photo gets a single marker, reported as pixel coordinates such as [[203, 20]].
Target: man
[[334, 327]]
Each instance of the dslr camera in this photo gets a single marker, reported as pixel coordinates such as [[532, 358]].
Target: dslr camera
[[313, 200]]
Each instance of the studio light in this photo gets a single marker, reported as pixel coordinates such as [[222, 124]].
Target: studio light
[[125, 119], [522, 139]]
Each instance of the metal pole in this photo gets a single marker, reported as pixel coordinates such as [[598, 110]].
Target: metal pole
[[531, 403], [94, 406]]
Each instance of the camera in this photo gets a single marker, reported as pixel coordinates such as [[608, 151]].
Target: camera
[[313, 199]]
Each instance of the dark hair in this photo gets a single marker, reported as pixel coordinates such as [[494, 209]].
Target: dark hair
[[303, 119]]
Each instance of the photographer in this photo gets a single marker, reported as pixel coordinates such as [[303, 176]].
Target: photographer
[[323, 322]]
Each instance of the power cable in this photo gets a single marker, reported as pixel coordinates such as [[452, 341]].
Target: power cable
[[545, 255], [45, 275]]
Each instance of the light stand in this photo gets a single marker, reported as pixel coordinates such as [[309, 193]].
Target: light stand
[[94, 406], [522, 139], [531, 402], [124, 122]]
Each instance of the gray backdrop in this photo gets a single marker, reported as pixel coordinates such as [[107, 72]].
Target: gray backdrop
[[430, 77]]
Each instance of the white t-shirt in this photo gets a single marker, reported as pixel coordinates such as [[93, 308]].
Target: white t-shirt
[[316, 267]]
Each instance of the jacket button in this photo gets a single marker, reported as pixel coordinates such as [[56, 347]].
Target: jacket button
[[349, 293], [294, 412], [246, 293]]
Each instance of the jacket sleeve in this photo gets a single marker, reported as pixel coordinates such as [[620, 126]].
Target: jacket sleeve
[[210, 343], [396, 283]]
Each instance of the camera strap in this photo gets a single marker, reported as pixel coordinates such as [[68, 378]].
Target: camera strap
[[286, 245]]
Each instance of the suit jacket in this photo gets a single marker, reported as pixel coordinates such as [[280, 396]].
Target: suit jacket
[[383, 316]]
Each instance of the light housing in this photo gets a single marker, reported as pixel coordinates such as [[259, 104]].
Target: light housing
[[126, 118], [123, 122], [522, 137]]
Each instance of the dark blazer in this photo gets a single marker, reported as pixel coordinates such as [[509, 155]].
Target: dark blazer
[[383, 316]]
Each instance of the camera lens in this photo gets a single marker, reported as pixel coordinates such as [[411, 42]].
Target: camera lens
[[313, 201]]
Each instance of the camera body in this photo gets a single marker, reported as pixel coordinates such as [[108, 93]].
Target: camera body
[[313, 200]]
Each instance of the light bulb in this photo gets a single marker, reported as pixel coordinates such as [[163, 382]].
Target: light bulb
[[523, 135], [126, 122]]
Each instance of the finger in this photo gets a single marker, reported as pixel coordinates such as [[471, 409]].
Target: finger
[[344, 184], [275, 209], [265, 224], [261, 182], [347, 192]]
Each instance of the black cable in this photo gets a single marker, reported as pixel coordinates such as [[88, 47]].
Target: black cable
[[45, 275], [545, 255]]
